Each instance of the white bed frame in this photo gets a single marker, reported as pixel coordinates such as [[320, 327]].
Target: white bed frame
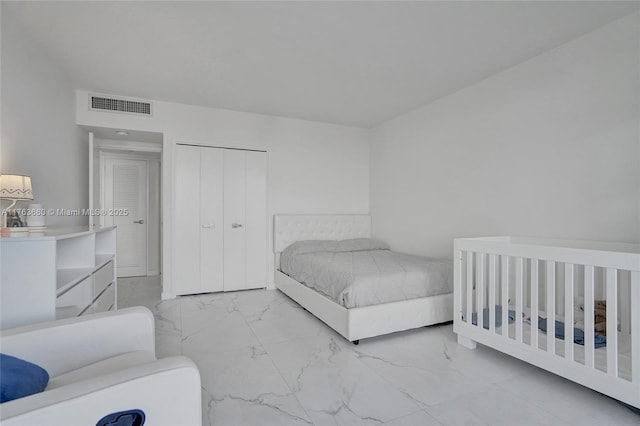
[[355, 323], [530, 275]]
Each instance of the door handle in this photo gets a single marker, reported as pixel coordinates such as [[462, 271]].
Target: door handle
[[139, 222], [208, 225], [236, 225]]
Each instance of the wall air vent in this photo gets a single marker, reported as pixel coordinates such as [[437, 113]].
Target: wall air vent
[[118, 104]]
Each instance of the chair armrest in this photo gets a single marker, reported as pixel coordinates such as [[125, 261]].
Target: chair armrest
[[64, 345], [167, 390]]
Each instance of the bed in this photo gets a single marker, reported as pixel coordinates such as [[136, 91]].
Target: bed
[[569, 307], [353, 320]]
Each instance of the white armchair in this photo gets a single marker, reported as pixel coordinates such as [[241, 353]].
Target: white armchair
[[101, 364]]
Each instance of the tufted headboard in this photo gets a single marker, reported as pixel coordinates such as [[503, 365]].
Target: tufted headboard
[[287, 229]]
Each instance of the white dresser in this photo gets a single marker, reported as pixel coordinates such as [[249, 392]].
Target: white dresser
[[59, 274]]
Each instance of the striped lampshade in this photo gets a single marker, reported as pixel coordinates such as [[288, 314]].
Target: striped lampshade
[[16, 187]]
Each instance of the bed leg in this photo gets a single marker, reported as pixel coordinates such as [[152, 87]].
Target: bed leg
[[466, 342], [356, 342]]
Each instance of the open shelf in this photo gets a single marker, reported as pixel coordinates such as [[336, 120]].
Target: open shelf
[[57, 275]]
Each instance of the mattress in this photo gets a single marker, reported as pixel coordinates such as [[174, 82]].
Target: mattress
[[364, 272]]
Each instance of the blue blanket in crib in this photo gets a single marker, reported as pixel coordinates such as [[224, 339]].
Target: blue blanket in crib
[[485, 317], [578, 335]]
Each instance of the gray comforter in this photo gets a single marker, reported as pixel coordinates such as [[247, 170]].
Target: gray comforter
[[363, 272]]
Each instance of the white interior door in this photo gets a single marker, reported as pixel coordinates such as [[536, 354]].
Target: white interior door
[[211, 224], [256, 220], [126, 205], [186, 222], [235, 180]]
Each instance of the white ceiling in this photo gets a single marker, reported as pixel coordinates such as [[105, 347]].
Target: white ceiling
[[354, 63]]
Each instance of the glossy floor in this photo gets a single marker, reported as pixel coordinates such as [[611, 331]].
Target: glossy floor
[[265, 361]]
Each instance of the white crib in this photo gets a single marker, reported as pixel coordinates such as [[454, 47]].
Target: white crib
[[542, 278]]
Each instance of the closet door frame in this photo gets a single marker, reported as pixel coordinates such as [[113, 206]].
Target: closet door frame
[[268, 237]]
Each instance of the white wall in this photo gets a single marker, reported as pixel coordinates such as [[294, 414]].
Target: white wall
[[312, 167], [39, 135], [550, 147]]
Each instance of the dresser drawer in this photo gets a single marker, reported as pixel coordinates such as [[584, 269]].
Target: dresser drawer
[[74, 301], [106, 299], [104, 302], [102, 278]]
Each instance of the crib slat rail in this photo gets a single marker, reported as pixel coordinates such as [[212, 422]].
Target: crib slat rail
[[568, 311], [492, 293], [519, 285], [469, 285], [504, 282], [635, 326], [589, 323], [612, 322], [556, 281], [550, 306], [457, 276], [534, 303], [480, 290]]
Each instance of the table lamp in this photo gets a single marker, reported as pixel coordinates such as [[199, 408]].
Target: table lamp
[[15, 188]]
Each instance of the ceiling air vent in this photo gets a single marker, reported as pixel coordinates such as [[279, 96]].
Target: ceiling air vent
[[117, 104]]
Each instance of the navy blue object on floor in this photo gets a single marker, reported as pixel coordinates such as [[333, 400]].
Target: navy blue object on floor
[[578, 335], [485, 317], [123, 418]]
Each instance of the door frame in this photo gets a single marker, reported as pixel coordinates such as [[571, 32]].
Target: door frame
[[106, 152], [168, 289], [140, 267]]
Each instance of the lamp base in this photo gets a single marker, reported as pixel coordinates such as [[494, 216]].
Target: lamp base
[[5, 212], [14, 232]]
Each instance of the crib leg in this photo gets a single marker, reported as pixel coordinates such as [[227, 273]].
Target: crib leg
[[466, 342]]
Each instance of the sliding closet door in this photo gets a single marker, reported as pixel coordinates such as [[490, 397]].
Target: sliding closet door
[[235, 180], [186, 220], [220, 220], [256, 219], [245, 224], [211, 225]]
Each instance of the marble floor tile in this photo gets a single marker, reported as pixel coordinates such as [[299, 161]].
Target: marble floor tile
[[264, 360], [279, 319], [573, 403], [421, 418], [409, 371], [333, 386], [139, 291], [491, 406], [483, 362], [212, 323], [243, 387], [145, 291], [168, 344]]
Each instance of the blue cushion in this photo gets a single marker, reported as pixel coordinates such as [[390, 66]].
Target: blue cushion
[[19, 378]]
